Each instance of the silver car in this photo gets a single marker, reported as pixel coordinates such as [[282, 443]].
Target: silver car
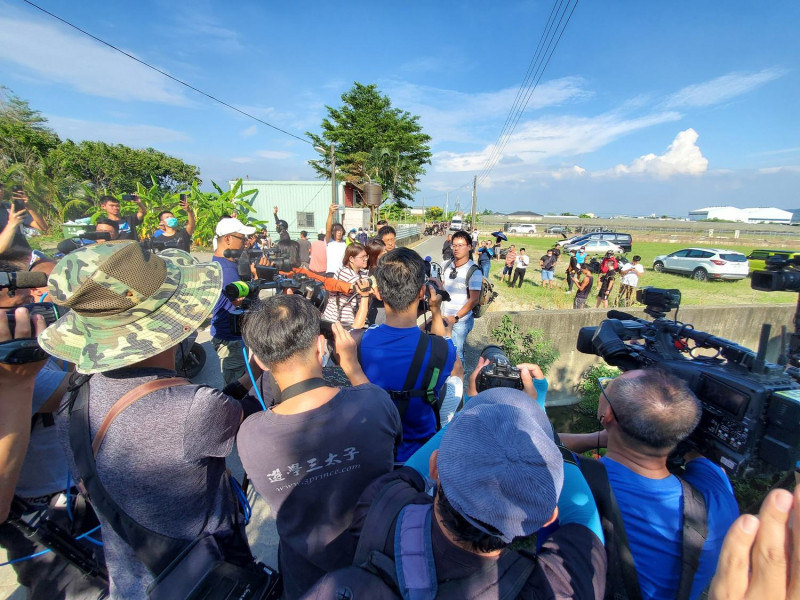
[[703, 264]]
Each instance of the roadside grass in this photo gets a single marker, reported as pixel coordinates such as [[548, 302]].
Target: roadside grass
[[532, 296]]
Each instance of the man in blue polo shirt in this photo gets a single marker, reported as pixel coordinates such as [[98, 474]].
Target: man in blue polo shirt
[[387, 350], [231, 235]]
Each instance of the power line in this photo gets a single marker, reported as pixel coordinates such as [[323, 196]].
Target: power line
[[165, 74], [531, 87]]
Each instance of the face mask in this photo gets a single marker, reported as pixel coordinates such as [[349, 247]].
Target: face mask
[[171, 222]]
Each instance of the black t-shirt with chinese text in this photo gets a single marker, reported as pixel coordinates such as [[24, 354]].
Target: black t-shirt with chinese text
[[311, 468]]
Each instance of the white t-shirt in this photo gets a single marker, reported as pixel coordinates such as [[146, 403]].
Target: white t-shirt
[[630, 274], [523, 260], [335, 255], [457, 288]]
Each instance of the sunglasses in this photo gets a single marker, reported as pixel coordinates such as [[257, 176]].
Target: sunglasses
[[602, 383]]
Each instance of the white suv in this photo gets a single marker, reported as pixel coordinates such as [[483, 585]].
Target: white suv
[[522, 229], [704, 263]]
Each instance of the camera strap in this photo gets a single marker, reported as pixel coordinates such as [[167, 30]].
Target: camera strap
[[302, 387]]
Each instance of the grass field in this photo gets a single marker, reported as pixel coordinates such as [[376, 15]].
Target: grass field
[[532, 296]]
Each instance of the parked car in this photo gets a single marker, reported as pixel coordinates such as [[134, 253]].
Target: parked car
[[524, 228], [704, 263], [623, 240], [456, 223], [758, 258], [596, 247], [557, 229]]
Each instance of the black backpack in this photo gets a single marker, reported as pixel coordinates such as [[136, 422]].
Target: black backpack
[[403, 507]]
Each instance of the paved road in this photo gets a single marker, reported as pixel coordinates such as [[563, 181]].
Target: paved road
[[261, 531]]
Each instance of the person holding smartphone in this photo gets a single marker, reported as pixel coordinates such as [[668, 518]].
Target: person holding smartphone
[[169, 230], [13, 244], [127, 224]]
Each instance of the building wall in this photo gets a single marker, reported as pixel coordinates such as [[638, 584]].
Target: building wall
[[312, 198]]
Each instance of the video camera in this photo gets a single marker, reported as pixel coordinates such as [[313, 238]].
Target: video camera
[[751, 408], [154, 245], [270, 279], [499, 372], [26, 350], [87, 238]]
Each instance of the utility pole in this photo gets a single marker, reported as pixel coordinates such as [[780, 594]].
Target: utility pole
[[474, 199], [446, 205], [334, 199]]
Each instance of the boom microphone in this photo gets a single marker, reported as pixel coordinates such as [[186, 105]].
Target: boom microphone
[[622, 316]]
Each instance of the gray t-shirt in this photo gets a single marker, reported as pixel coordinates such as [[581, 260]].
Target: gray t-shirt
[[311, 468], [163, 461], [305, 250]]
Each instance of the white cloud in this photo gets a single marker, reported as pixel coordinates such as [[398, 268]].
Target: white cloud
[[683, 157], [274, 154], [452, 116], [243, 160], [250, 131], [138, 136], [537, 140], [722, 88], [59, 56], [573, 171], [785, 169]]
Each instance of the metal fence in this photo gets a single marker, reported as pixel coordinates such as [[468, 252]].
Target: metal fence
[[406, 230]]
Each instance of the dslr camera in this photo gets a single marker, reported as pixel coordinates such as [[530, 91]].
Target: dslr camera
[[499, 372]]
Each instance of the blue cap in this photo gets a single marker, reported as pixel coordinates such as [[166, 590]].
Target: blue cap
[[498, 465]]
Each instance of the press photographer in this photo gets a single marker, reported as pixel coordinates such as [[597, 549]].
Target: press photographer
[[150, 447], [38, 522]]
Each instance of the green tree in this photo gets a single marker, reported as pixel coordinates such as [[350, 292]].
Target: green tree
[[434, 213], [118, 168], [374, 142], [24, 136]]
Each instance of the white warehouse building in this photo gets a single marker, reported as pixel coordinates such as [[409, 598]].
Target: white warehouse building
[[742, 215]]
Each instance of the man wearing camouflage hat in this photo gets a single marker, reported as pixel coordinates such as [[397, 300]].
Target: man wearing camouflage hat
[[162, 458]]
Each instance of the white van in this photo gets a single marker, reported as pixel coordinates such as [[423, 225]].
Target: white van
[[456, 223]]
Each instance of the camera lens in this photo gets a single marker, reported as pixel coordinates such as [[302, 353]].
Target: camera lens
[[495, 354]]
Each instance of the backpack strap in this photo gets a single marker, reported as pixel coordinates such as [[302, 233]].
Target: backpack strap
[[154, 550], [132, 396], [413, 553], [513, 569], [402, 398], [695, 532], [622, 582], [386, 505]]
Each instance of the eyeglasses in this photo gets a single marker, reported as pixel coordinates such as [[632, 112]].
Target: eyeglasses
[[603, 382], [459, 245], [243, 238]]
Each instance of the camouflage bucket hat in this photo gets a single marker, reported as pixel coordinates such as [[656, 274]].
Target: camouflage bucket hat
[[126, 304]]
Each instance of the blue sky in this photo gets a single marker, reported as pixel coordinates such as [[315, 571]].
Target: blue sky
[[644, 107]]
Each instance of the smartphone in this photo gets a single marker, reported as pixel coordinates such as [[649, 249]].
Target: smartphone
[[183, 198], [128, 197], [19, 204]]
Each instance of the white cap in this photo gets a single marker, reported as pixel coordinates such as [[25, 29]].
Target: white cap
[[230, 225]]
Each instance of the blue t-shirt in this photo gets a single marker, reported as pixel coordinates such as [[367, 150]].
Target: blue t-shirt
[[653, 515], [485, 255], [221, 317], [386, 355]]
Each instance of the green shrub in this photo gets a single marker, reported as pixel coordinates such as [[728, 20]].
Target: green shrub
[[588, 389], [529, 347]]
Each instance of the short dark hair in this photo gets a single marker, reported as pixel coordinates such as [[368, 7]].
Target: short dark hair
[[280, 327], [335, 227], [106, 221], [165, 212], [383, 222], [386, 230], [637, 257], [655, 409], [463, 235], [522, 249], [304, 234], [375, 248], [321, 237], [106, 199], [351, 251], [464, 531], [400, 275]]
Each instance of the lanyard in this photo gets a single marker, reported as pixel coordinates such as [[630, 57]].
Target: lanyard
[[302, 387]]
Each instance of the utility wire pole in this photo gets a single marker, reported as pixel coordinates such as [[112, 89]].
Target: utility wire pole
[[474, 200]]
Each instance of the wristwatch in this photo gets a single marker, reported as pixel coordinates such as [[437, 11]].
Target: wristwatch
[[456, 318]]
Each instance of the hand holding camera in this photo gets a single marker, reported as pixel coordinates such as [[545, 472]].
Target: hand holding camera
[[363, 287], [346, 354], [20, 355]]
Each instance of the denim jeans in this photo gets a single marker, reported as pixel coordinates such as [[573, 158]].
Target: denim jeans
[[460, 332], [485, 266]]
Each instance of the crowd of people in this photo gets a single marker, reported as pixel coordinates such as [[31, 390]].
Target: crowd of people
[[407, 483]]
